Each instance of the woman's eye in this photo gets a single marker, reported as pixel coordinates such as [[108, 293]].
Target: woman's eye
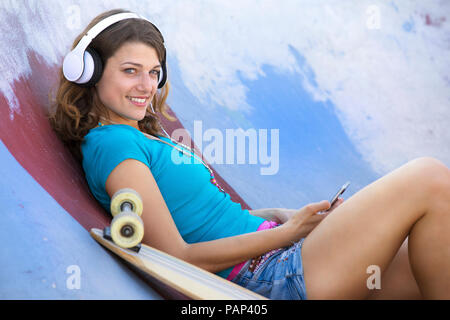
[[155, 72], [133, 71], [130, 70]]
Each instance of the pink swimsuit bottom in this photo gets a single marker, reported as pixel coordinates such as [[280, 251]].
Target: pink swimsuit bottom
[[263, 226]]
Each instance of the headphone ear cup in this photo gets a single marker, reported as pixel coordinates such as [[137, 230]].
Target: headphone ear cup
[[163, 76], [93, 68]]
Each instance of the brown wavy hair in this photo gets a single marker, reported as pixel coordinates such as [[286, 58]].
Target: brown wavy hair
[[76, 109]]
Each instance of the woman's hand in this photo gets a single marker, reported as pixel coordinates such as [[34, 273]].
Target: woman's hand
[[281, 215], [303, 221]]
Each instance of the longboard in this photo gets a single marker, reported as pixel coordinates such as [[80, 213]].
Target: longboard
[[188, 280], [123, 237]]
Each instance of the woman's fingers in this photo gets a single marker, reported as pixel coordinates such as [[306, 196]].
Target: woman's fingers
[[336, 204], [305, 219], [317, 218], [314, 208], [319, 206]]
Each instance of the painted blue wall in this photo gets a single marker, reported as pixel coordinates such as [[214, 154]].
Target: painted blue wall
[[40, 242]]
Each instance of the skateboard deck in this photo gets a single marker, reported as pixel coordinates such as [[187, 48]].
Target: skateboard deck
[[186, 279]]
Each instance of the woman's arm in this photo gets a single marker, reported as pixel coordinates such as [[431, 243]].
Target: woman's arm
[[266, 214], [279, 215], [161, 232], [223, 253]]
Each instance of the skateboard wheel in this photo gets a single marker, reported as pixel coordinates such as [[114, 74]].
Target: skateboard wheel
[[123, 196], [127, 229]]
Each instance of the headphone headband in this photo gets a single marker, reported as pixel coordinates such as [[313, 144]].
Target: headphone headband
[[102, 25], [79, 59]]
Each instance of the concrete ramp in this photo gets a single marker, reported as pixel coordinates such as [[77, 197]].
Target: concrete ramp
[[48, 208]]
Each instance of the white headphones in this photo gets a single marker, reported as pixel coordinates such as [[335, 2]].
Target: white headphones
[[84, 65]]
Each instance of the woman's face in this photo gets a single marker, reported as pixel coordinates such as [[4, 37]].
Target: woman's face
[[129, 82]]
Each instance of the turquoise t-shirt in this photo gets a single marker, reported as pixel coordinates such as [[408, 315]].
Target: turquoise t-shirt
[[199, 209]]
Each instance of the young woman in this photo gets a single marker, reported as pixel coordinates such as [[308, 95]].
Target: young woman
[[398, 225]]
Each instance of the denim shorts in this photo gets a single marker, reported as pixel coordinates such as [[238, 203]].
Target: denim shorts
[[280, 277]]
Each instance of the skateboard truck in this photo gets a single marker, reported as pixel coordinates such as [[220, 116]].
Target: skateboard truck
[[107, 236], [127, 228]]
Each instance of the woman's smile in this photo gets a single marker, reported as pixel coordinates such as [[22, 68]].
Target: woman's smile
[[140, 101]]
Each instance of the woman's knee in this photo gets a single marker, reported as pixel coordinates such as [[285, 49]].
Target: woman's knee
[[429, 163], [432, 175]]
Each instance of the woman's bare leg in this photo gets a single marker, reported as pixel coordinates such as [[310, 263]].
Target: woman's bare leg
[[369, 228], [397, 281]]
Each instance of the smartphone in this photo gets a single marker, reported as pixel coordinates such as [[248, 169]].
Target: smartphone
[[341, 191]]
